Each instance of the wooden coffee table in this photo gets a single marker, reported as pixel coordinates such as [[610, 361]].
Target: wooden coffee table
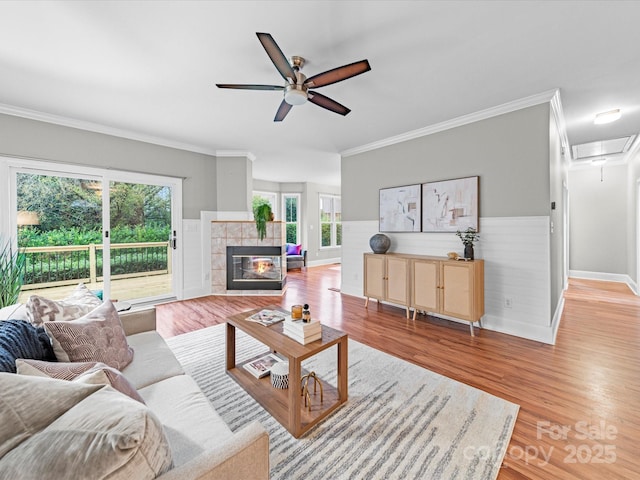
[[287, 405]]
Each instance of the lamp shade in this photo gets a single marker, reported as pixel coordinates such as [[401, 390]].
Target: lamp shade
[[27, 218]]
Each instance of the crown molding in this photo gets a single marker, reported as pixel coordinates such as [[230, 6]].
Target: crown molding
[[99, 128], [635, 148], [509, 107], [235, 153]]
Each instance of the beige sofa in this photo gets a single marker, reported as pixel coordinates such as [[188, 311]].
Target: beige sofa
[[202, 445]]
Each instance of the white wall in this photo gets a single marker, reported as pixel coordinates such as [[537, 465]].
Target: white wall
[[633, 187], [599, 220], [517, 259]]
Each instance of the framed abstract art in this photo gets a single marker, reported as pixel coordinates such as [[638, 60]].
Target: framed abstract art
[[450, 205], [400, 209]]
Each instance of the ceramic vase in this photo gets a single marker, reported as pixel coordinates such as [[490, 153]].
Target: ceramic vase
[[379, 243]]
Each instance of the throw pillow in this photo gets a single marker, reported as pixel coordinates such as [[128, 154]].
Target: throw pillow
[[80, 302], [20, 339], [17, 311], [80, 371], [96, 432], [29, 404], [96, 337], [292, 249]]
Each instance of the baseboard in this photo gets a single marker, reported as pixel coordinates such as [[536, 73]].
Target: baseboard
[[529, 331], [194, 293], [325, 261], [526, 330], [555, 321], [606, 277]]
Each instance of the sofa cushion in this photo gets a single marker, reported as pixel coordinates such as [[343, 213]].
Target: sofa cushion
[[154, 360], [20, 339], [190, 422], [17, 311], [96, 337], [80, 302], [79, 371], [102, 434]]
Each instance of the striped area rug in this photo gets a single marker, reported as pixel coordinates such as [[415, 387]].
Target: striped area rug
[[401, 421]]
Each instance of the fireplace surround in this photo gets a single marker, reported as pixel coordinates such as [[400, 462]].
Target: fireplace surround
[[242, 233]]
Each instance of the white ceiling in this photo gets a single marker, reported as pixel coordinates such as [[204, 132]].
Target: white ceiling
[[149, 68]]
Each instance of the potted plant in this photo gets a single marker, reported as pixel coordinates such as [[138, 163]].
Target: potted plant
[[262, 214], [468, 237], [12, 263]]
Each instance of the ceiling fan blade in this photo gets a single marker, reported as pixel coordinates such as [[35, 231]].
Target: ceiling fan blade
[[283, 109], [338, 74], [326, 102], [277, 57], [249, 87]]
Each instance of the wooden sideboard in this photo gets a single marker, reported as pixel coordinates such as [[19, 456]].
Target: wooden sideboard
[[436, 285]]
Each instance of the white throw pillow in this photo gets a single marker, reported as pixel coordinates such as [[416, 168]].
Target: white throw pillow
[[79, 303]]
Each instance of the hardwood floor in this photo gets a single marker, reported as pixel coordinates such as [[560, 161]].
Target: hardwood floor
[[579, 399]]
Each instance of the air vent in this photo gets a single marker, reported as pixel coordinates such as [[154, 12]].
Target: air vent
[[592, 150]]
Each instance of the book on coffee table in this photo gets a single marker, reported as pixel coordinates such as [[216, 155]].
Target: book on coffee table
[[267, 317], [303, 332], [261, 367]]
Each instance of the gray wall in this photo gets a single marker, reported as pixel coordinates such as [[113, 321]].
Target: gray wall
[[234, 186], [509, 152], [45, 141], [598, 213]]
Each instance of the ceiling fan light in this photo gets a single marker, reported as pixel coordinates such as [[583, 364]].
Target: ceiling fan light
[[607, 117], [295, 96]]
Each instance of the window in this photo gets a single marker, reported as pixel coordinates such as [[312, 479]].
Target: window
[[290, 204], [330, 221], [268, 197]]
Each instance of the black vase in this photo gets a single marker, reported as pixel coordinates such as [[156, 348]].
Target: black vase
[[468, 251]]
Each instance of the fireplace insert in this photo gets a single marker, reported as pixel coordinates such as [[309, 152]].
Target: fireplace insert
[[255, 268]]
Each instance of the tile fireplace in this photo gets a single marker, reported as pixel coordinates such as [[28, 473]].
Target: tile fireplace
[[254, 266]]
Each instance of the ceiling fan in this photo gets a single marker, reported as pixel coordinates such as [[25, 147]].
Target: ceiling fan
[[297, 87]]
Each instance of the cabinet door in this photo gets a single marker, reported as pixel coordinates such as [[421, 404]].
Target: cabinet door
[[425, 285], [457, 290], [398, 280], [374, 276]]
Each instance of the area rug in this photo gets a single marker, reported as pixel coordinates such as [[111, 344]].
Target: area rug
[[401, 421]]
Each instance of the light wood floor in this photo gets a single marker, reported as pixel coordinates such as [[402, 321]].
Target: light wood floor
[[579, 399], [121, 288]]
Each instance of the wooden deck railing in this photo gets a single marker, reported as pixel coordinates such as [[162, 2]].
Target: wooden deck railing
[[69, 264]]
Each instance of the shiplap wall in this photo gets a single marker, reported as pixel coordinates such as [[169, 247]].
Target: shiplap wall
[[516, 254]]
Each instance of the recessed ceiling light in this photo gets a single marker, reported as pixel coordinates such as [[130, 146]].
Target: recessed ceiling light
[[607, 117]]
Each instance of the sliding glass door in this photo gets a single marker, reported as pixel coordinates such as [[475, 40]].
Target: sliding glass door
[[116, 236], [141, 240]]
